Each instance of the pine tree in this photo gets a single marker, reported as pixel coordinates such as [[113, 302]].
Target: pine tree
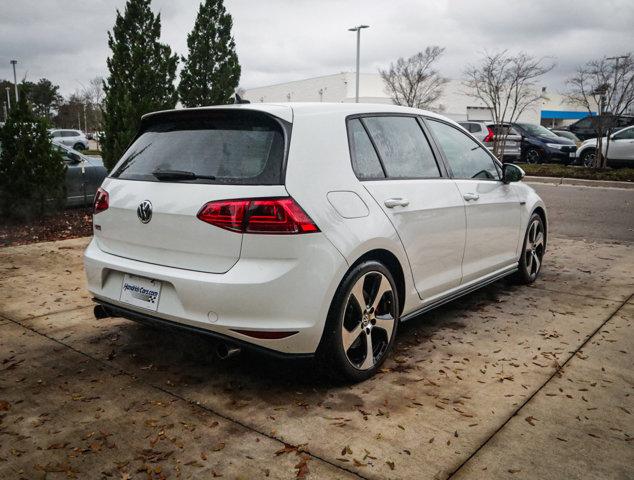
[[211, 72], [32, 172], [141, 79]]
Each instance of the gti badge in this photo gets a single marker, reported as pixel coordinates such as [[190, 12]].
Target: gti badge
[[144, 212]]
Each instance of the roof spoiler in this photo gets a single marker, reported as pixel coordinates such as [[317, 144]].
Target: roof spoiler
[[237, 99]]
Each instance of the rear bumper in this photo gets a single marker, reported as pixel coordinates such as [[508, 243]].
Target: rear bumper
[[272, 295]]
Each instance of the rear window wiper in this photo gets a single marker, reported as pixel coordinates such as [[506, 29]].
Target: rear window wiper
[[180, 175]]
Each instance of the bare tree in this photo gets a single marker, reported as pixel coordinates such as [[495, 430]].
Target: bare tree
[[606, 84], [413, 81], [507, 85]]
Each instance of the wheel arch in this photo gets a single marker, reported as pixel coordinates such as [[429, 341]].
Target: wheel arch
[[392, 263]]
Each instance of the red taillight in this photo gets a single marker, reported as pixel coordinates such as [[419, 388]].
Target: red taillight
[[101, 201], [489, 137], [259, 215]]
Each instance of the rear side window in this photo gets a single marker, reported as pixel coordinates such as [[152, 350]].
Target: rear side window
[[403, 147], [235, 147], [466, 158], [365, 161], [68, 133]]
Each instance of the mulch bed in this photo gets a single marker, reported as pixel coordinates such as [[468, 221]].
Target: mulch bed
[[70, 223]]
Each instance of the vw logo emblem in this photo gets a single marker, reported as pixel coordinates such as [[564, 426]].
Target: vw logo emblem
[[144, 211]]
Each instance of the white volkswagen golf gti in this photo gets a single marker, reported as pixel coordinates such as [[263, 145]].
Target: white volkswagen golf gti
[[306, 229]]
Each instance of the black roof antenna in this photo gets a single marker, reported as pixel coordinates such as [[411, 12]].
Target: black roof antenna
[[238, 99]]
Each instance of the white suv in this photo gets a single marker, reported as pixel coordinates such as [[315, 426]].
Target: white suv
[[71, 138], [306, 229]]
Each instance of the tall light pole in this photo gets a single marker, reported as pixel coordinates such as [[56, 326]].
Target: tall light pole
[[358, 30], [15, 80], [8, 97]]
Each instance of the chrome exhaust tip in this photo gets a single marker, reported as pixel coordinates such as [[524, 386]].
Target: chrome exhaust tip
[[101, 312], [225, 351]]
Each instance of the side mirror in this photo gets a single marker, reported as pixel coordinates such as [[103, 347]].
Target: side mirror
[[511, 173], [74, 158]]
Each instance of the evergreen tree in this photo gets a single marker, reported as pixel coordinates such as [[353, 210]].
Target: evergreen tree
[[32, 172], [141, 76], [211, 72]]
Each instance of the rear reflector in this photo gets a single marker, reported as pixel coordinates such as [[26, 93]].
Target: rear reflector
[[264, 335], [282, 216], [101, 201]]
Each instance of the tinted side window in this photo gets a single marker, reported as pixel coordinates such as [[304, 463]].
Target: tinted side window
[[403, 147], [626, 134], [365, 161], [585, 123], [466, 158], [68, 133]]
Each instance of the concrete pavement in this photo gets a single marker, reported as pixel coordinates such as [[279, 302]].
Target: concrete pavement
[[115, 399]]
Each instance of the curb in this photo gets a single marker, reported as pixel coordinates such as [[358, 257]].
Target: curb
[[578, 182]]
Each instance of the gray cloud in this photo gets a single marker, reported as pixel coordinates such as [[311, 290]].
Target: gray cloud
[[282, 40]]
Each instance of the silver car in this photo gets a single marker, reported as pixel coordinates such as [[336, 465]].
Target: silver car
[[478, 129], [71, 138], [84, 175]]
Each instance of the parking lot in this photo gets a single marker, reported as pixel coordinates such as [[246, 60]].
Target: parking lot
[[508, 382]]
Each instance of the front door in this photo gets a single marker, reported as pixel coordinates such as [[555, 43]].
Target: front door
[[398, 168], [492, 207]]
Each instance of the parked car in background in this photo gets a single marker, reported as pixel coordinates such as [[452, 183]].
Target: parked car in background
[[620, 152], [587, 127], [478, 129], [306, 229], [567, 134], [540, 145], [512, 144], [70, 138], [84, 175]]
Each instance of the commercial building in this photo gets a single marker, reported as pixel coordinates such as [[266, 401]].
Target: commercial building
[[454, 103]]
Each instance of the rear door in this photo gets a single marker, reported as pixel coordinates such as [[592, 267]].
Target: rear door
[[155, 220], [622, 145], [396, 163], [492, 207]]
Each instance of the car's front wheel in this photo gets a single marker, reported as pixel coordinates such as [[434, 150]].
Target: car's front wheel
[[588, 157], [533, 250], [534, 156], [362, 323]]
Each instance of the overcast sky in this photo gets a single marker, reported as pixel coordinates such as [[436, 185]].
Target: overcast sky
[[283, 40]]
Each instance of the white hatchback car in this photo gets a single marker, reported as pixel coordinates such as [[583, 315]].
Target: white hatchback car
[[306, 229]]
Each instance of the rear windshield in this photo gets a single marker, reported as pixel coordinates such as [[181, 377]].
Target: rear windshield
[[235, 147]]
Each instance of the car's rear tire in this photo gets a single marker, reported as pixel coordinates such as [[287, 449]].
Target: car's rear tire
[[79, 146], [587, 157], [533, 250], [357, 338]]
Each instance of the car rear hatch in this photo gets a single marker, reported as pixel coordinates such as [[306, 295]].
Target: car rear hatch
[[180, 161]]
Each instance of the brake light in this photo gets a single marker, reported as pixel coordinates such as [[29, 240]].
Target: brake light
[[258, 215], [101, 201], [489, 137]]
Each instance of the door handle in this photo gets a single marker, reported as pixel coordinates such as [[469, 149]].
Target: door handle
[[471, 196], [396, 202]]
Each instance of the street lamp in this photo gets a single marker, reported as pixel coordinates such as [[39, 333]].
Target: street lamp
[[358, 30], [8, 97], [15, 80]]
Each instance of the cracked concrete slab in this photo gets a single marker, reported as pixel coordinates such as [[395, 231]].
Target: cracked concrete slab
[[457, 374], [580, 425], [64, 415]]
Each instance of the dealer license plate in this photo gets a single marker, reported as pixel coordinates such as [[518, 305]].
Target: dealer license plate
[[141, 292]]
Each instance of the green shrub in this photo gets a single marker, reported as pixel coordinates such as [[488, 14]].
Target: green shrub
[[32, 173]]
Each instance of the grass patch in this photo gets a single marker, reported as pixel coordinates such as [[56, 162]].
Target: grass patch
[[553, 170]]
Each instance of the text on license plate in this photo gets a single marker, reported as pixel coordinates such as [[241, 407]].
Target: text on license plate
[[140, 291]]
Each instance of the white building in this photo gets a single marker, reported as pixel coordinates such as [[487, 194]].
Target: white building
[[454, 103]]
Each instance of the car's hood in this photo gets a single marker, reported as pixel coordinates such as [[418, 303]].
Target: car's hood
[[557, 140]]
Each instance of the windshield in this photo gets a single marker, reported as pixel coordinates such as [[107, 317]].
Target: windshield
[[536, 130], [214, 146]]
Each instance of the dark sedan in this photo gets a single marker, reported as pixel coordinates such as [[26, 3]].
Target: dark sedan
[[83, 176], [540, 145]]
